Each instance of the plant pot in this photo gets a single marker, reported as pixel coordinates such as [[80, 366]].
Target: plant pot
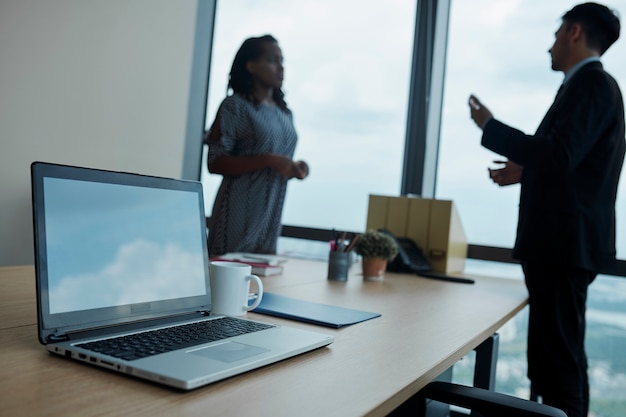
[[374, 269]]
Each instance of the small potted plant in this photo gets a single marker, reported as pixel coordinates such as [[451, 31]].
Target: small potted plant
[[376, 249]]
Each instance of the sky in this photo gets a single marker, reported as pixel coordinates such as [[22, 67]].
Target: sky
[[347, 66]]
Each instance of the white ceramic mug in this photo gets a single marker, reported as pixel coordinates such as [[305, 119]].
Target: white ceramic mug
[[230, 287]]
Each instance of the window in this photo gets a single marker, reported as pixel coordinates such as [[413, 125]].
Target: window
[[347, 66], [510, 72]]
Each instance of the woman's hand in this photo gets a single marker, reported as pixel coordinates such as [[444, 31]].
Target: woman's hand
[[288, 168], [302, 168], [239, 165]]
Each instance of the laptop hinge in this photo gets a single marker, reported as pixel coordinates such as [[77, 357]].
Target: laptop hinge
[[54, 338], [124, 327]]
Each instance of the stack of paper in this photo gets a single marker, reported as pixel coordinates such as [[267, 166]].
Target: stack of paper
[[264, 265]]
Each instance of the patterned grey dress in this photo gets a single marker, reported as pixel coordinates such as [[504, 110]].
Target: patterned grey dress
[[247, 210]]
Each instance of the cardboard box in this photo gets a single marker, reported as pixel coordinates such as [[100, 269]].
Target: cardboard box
[[434, 225]]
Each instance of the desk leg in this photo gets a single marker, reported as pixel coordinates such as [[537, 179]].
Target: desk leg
[[484, 377], [486, 359]]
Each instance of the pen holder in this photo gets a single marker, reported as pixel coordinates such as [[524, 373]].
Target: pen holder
[[338, 265]]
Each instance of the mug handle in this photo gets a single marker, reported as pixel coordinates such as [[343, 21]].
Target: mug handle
[[260, 293]]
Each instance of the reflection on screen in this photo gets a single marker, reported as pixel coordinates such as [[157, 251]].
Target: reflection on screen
[[110, 245]]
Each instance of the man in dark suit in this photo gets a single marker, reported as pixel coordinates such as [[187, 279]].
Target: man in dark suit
[[569, 172]]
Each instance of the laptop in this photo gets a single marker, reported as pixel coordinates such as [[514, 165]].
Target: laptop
[[121, 266]]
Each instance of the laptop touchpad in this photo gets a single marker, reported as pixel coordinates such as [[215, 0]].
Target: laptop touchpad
[[229, 351]]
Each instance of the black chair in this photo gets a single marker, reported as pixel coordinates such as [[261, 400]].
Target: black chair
[[483, 402]]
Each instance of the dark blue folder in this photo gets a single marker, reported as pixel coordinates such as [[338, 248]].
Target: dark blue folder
[[309, 312]]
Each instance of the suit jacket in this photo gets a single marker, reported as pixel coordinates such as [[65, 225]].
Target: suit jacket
[[571, 171]]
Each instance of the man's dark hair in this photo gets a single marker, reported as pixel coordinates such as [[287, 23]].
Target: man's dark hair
[[600, 24]]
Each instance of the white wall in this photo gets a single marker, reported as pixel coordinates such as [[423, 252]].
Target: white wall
[[105, 84]]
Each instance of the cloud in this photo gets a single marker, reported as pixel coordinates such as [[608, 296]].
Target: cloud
[[142, 271]]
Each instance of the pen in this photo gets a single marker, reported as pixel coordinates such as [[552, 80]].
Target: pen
[[336, 246], [342, 242], [352, 243], [448, 278]]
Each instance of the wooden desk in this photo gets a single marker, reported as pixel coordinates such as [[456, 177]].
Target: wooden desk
[[370, 369], [17, 296]]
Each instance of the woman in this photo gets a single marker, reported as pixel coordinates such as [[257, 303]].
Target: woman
[[251, 144]]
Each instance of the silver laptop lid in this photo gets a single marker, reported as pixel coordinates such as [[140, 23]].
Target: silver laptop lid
[[115, 248]]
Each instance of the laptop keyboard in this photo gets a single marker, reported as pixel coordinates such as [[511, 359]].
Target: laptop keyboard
[[141, 345]]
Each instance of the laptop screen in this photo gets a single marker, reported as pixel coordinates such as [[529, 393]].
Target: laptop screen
[[116, 247]]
